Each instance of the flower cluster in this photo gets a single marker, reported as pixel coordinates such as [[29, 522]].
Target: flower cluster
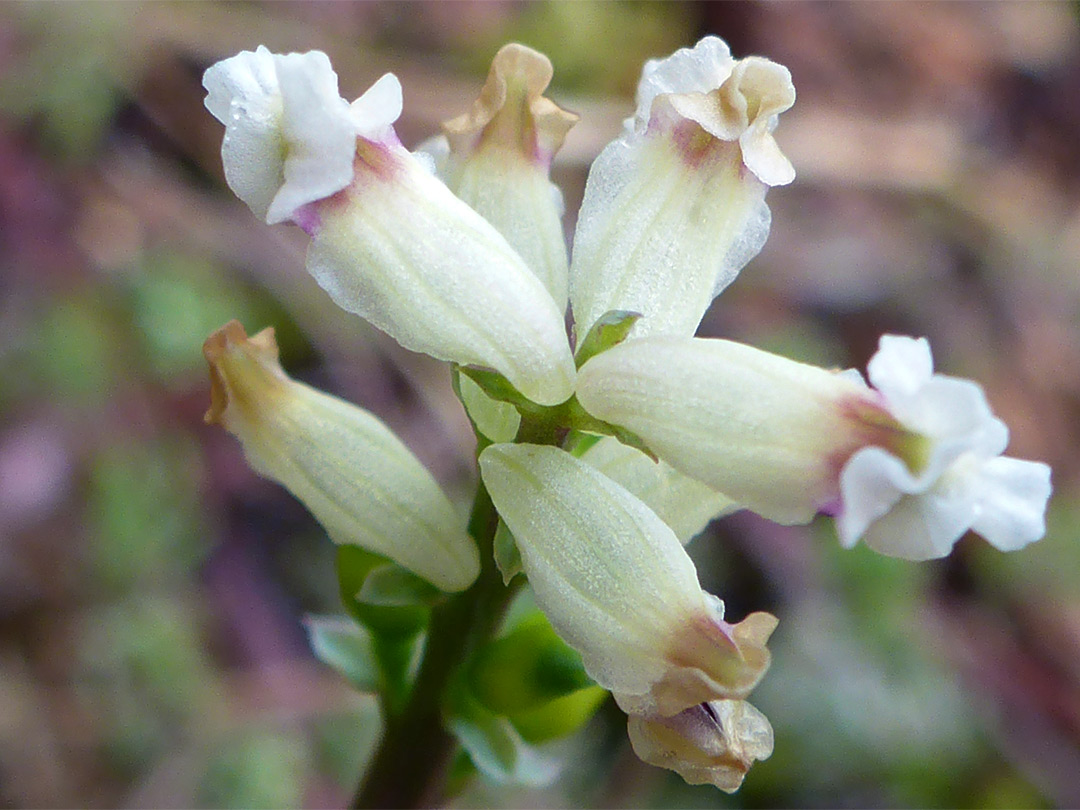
[[602, 458]]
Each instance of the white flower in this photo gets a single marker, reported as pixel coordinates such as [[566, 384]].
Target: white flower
[[963, 482], [675, 207], [618, 586], [909, 466], [361, 483], [290, 138], [390, 242]]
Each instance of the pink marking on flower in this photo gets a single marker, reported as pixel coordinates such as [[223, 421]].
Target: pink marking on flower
[[698, 148], [833, 508], [309, 218]]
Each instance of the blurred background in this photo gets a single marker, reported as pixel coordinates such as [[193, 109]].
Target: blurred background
[[152, 587]]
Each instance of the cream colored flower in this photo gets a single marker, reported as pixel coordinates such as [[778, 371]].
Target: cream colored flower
[[908, 465], [389, 241], [361, 483], [675, 207], [618, 586]]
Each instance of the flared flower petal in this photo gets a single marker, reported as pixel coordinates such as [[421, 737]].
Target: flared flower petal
[[375, 112], [675, 207], [361, 483], [618, 587], [497, 158], [289, 136], [918, 511], [711, 744]]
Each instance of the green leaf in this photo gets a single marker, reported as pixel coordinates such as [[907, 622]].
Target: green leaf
[[346, 647], [494, 745], [527, 667], [354, 565], [492, 420], [399, 660], [559, 717], [390, 585], [396, 630], [609, 330], [507, 555], [496, 386], [579, 443]]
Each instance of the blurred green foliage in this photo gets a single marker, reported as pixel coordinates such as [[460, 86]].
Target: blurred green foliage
[[143, 504], [176, 300], [146, 676], [69, 77], [633, 30], [74, 351], [256, 769]]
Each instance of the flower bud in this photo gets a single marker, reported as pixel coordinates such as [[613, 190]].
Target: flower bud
[[685, 504], [361, 483], [675, 207], [710, 744], [618, 587], [498, 158]]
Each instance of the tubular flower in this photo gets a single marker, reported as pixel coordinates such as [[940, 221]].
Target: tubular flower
[[675, 207], [910, 464], [618, 587], [362, 484], [389, 241], [497, 158], [768, 432]]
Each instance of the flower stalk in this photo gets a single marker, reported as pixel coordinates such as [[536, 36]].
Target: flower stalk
[[409, 766]]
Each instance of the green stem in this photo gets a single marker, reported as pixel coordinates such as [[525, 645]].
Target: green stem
[[409, 767]]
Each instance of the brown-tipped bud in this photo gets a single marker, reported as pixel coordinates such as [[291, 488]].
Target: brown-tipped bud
[[497, 158], [348, 468]]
